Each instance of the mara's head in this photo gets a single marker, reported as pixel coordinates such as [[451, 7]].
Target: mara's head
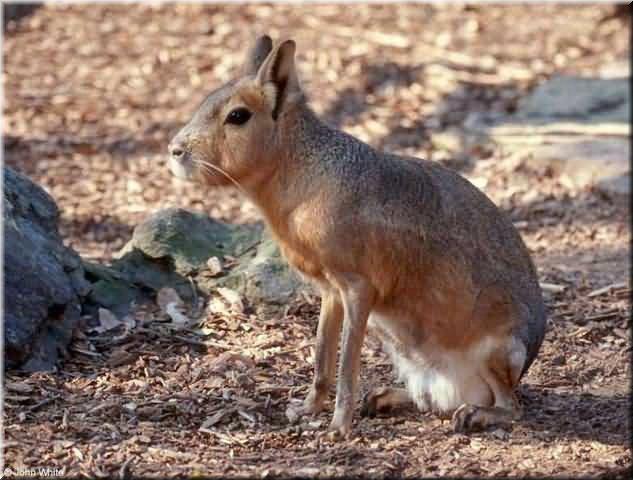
[[233, 134]]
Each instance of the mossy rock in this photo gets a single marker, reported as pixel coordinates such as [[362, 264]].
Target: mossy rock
[[110, 289], [172, 247], [188, 239], [262, 277]]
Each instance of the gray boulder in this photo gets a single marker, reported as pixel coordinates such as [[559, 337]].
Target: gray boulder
[[172, 248], [188, 239], [576, 127], [599, 163], [262, 277], [579, 99], [43, 280]]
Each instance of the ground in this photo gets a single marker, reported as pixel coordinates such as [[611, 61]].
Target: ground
[[93, 95]]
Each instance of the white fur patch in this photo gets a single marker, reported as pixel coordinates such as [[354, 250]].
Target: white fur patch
[[438, 379], [517, 356], [180, 170]]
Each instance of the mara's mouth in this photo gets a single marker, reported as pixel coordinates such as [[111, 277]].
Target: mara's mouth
[[181, 168], [186, 167]]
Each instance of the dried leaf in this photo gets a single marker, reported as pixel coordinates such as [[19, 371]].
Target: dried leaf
[[227, 359], [19, 387], [170, 302], [178, 318], [214, 266], [167, 296], [292, 413], [107, 321], [204, 331], [607, 289], [215, 418], [552, 287], [129, 321], [218, 306], [234, 299], [119, 357]]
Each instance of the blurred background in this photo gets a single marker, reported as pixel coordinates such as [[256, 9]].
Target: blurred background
[[94, 93]]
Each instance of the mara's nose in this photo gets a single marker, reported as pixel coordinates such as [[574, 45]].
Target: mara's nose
[[176, 150]]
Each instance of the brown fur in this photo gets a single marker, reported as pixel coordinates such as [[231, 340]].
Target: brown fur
[[378, 233]]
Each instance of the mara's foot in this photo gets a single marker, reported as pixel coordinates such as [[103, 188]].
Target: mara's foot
[[313, 404], [472, 418], [341, 426], [384, 398]]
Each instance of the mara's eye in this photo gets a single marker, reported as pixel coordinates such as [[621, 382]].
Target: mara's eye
[[238, 116]]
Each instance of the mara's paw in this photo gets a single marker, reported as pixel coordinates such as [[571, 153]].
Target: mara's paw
[[310, 406], [463, 418], [384, 398], [372, 403], [472, 418], [341, 426], [338, 431]]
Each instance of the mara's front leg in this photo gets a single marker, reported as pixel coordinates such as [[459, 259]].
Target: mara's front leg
[[358, 298], [328, 335]]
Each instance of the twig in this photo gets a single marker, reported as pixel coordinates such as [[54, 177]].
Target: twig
[[123, 470], [607, 289], [248, 417], [86, 352], [248, 249], [552, 287], [602, 315], [206, 343], [197, 343], [40, 404]]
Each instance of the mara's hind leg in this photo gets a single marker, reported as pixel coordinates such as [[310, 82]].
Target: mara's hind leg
[[384, 398], [501, 373]]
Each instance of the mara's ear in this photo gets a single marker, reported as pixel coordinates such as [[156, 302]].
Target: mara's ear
[[257, 54], [278, 76]]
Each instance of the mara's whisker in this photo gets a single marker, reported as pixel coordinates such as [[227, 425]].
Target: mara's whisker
[[210, 168]]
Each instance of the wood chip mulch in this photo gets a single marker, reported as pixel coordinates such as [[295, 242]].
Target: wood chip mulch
[[93, 94]]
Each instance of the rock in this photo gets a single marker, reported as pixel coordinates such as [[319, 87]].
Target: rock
[[111, 289], [578, 128], [602, 163], [189, 239], [578, 98], [164, 251], [558, 109], [44, 280], [616, 186], [262, 277], [174, 245]]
